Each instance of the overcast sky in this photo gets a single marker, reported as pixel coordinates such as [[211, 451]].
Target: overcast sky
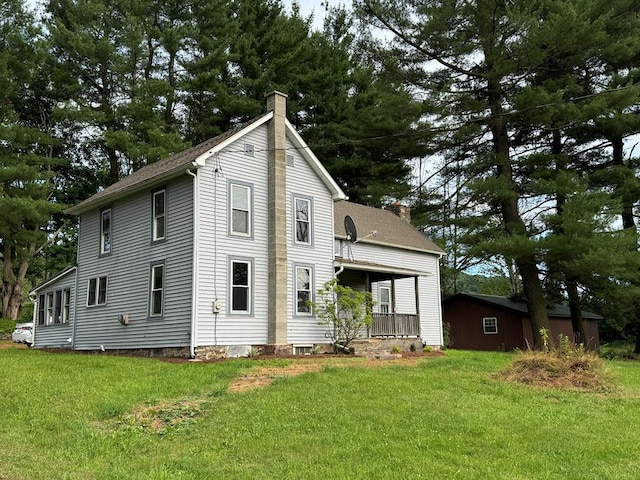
[[307, 7]]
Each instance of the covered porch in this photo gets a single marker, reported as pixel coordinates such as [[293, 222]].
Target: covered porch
[[396, 313]]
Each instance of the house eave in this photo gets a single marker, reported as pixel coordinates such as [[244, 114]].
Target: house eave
[[439, 253], [143, 185], [347, 264]]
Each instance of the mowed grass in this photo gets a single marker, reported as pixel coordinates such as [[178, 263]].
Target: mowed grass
[[447, 417]]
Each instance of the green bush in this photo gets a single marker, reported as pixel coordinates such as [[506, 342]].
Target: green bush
[[7, 325], [396, 349]]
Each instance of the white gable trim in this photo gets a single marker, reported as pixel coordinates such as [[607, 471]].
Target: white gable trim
[[315, 164], [53, 279], [201, 160]]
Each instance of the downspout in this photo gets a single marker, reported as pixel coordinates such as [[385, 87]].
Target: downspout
[[194, 303], [75, 293]]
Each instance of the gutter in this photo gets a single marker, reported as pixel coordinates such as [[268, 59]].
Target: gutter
[[194, 280]]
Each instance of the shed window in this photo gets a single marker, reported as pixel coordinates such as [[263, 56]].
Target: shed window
[[490, 325]]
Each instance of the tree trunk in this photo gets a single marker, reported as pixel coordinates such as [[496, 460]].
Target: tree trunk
[[513, 223], [577, 320], [12, 283]]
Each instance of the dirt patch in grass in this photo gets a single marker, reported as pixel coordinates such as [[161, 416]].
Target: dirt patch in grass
[[5, 344], [577, 371], [260, 377]]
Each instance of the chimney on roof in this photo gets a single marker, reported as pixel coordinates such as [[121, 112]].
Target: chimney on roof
[[277, 219], [402, 211]]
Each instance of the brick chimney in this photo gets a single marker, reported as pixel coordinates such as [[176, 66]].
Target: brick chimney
[[277, 211], [402, 211]]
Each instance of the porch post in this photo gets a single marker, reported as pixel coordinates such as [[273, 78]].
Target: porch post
[[393, 304], [367, 287], [417, 289]]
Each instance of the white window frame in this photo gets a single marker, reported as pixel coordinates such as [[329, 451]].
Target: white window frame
[[297, 290], [157, 217], [99, 282], [248, 189], [487, 328], [308, 221], [382, 304], [154, 289], [106, 236], [248, 288]]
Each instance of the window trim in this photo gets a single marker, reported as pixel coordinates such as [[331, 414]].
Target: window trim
[[250, 287], [153, 289], [294, 198], [312, 296], [231, 184], [381, 303], [154, 216], [485, 327], [99, 281], [104, 211]]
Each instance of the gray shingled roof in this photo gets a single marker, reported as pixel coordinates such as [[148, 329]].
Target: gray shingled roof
[[556, 310], [390, 229], [162, 169]]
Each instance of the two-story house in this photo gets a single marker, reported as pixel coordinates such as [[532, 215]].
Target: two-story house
[[215, 250]]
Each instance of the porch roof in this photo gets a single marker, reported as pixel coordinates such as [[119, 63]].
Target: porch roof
[[380, 271]]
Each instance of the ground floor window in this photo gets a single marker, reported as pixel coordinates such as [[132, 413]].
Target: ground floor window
[[304, 289], [97, 291], [54, 307], [241, 285], [490, 325], [157, 290]]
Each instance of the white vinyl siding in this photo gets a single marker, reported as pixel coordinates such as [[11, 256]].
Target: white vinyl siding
[[159, 216]]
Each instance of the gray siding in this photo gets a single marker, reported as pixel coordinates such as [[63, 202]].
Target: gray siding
[[216, 245], [128, 268], [303, 181], [56, 335]]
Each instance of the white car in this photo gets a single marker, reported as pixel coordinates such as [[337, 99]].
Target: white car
[[23, 333]]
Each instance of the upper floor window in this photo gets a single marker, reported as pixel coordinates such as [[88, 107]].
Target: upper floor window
[[159, 215], [303, 212], [304, 288], [105, 231], [240, 215], [156, 290], [385, 300], [97, 291], [241, 286]]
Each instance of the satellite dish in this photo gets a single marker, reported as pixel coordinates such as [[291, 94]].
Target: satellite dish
[[350, 228]]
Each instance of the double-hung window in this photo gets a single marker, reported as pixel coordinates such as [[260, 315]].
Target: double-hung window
[[156, 301], [302, 208], [105, 231], [240, 205], [490, 325], [385, 300], [304, 290], [159, 216], [97, 291], [41, 308], [241, 285], [66, 304]]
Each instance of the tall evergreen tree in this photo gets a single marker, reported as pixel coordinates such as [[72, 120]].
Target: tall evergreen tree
[[26, 149]]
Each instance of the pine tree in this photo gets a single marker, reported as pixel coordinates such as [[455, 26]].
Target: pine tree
[[26, 150]]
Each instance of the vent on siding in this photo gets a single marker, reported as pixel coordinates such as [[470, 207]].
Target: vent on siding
[[291, 161], [249, 149]]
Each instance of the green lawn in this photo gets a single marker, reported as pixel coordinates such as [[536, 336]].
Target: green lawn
[[443, 418]]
